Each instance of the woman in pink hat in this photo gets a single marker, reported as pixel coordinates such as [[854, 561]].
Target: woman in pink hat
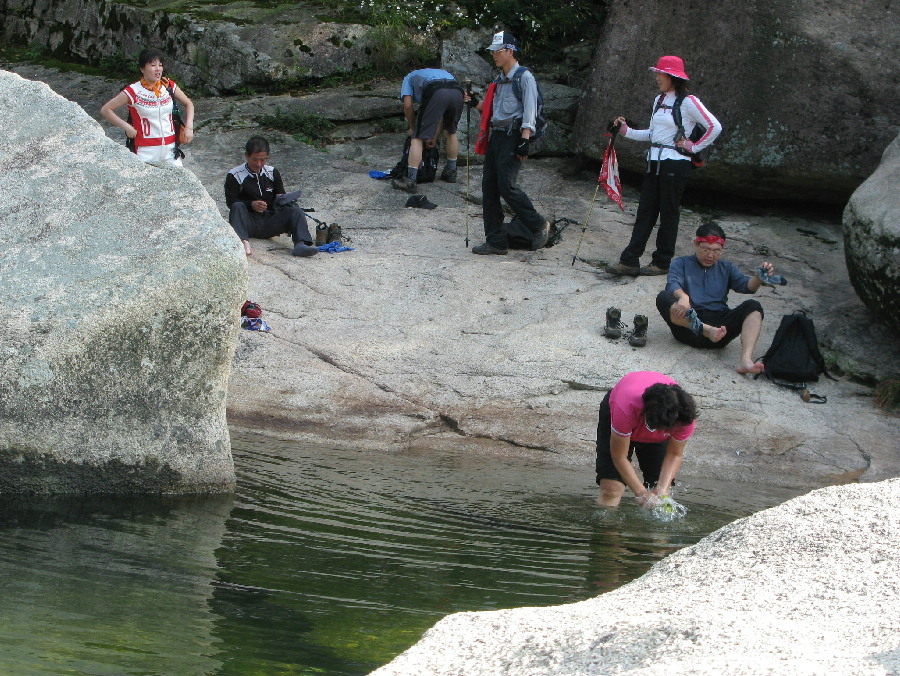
[[668, 167]]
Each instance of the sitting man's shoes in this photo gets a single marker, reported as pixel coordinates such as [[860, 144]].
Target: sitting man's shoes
[[404, 183], [334, 234], [539, 241], [486, 249], [304, 249], [321, 235], [622, 269], [448, 175], [650, 270], [638, 337], [613, 328]]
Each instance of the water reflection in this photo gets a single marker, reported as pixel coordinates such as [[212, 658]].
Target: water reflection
[[324, 562]]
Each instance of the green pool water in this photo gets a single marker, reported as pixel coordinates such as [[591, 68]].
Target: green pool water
[[323, 561]]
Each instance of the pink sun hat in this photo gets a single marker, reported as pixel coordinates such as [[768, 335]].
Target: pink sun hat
[[672, 66]]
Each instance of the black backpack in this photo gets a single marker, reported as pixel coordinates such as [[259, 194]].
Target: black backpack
[[794, 358], [540, 118], [427, 169], [697, 159]]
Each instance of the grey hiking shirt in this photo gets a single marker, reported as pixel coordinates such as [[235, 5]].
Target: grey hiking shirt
[[506, 107]]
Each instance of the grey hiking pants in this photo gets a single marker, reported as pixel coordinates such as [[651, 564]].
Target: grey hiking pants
[[247, 223]]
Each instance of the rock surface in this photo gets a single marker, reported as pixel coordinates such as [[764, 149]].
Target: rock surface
[[239, 46], [119, 286], [872, 238], [808, 587], [805, 90], [410, 341]]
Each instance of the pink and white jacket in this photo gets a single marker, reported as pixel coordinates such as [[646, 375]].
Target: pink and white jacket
[[661, 133]]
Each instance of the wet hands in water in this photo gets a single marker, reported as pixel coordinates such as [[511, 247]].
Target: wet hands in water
[[648, 500]]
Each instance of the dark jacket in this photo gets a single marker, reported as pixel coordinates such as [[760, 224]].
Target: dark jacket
[[242, 186]]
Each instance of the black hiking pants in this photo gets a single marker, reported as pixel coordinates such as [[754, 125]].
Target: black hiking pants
[[501, 171], [661, 194]]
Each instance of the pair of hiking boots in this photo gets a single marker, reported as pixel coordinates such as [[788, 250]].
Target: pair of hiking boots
[[326, 234], [616, 329]]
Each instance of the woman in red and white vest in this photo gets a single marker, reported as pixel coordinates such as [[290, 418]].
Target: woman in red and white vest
[[150, 122]]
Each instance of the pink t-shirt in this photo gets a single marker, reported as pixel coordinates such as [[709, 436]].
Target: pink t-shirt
[[626, 408]]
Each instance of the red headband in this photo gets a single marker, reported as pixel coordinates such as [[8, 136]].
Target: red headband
[[711, 239]]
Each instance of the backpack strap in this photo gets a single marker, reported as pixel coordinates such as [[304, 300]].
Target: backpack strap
[[516, 80]]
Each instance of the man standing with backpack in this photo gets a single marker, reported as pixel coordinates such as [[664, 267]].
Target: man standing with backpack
[[510, 113], [694, 303]]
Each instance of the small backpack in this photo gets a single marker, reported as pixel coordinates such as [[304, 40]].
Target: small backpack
[[540, 119], [697, 159], [427, 168], [794, 358]]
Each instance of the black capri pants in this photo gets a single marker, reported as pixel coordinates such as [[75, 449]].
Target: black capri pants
[[649, 455]]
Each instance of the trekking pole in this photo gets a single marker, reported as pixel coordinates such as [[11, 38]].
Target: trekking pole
[[587, 219], [585, 224], [468, 132]]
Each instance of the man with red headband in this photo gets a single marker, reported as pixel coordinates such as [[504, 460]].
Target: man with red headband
[[695, 301]]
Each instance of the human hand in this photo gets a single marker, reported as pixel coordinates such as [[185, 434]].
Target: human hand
[[623, 125], [471, 99], [259, 206], [648, 500], [680, 308], [130, 131], [685, 144], [187, 134], [767, 267], [523, 148]]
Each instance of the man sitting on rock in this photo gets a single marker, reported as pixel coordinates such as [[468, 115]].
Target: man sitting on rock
[[251, 191], [694, 302], [440, 99]]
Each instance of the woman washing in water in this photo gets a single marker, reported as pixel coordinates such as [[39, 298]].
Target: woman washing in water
[[650, 415], [150, 120]]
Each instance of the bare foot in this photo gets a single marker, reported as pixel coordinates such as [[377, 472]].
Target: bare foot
[[750, 367], [247, 248], [714, 333]]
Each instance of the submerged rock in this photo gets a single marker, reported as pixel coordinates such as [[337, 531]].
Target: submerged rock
[[808, 587], [872, 238], [120, 286]]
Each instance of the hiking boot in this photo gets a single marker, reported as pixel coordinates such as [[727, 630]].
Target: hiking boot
[[334, 233], [539, 241], [404, 183], [486, 249], [304, 249], [638, 337], [448, 175], [621, 269], [650, 270], [613, 328], [321, 235]]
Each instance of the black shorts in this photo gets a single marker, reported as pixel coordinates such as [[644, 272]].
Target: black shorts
[[444, 104], [650, 456], [732, 320]]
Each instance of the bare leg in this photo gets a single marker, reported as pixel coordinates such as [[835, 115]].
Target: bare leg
[[610, 493], [415, 153], [247, 248], [749, 335], [713, 333], [452, 146]]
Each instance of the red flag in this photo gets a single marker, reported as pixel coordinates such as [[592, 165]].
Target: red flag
[[609, 174]]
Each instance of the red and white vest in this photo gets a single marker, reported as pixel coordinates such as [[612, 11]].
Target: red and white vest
[[151, 116]]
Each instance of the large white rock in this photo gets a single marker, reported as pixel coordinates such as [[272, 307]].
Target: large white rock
[[809, 587], [120, 288]]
